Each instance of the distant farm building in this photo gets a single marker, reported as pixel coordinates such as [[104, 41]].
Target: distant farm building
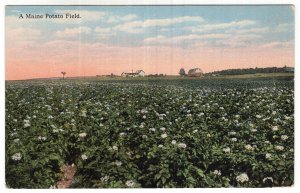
[[138, 73], [195, 72]]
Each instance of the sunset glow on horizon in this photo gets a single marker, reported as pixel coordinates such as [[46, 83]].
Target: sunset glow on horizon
[[156, 39]]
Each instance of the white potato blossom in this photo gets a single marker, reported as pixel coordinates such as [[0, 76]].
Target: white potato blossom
[[200, 114], [217, 172], [267, 178], [249, 147], [164, 135], [182, 145], [234, 139], [279, 147], [268, 156], [243, 177], [130, 183], [258, 116], [275, 128], [160, 146], [253, 130], [16, 140], [42, 138], [284, 137], [53, 187], [122, 134], [118, 163], [152, 129], [162, 128], [144, 136], [226, 150], [83, 113], [232, 133], [115, 148], [26, 123], [104, 179], [84, 157], [195, 131], [173, 142], [82, 135], [16, 156]]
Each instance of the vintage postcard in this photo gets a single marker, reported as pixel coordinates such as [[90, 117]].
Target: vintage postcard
[[173, 96]]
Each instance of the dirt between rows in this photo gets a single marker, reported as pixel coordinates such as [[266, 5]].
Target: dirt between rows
[[69, 173]]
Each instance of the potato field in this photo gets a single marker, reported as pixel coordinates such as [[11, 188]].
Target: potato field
[[150, 133]]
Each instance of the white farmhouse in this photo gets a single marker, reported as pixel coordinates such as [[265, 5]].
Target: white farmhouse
[[138, 73]]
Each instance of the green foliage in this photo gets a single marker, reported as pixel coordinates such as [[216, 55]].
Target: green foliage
[[164, 134]]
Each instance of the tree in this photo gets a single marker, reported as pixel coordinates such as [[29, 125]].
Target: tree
[[182, 72], [63, 73]]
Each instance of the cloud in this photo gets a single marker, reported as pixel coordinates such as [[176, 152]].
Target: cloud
[[21, 35], [206, 40], [32, 33], [139, 26], [103, 33], [284, 27], [163, 40], [102, 30], [222, 26], [129, 17], [253, 30], [73, 32], [279, 44], [116, 19], [239, 40]]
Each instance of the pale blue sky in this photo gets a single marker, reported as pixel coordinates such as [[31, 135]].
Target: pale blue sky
[[127, 25]]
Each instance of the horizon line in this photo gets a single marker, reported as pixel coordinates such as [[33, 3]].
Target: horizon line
[[100, 75]]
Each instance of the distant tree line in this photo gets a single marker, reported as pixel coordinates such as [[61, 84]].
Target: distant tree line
[[249, 71]]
